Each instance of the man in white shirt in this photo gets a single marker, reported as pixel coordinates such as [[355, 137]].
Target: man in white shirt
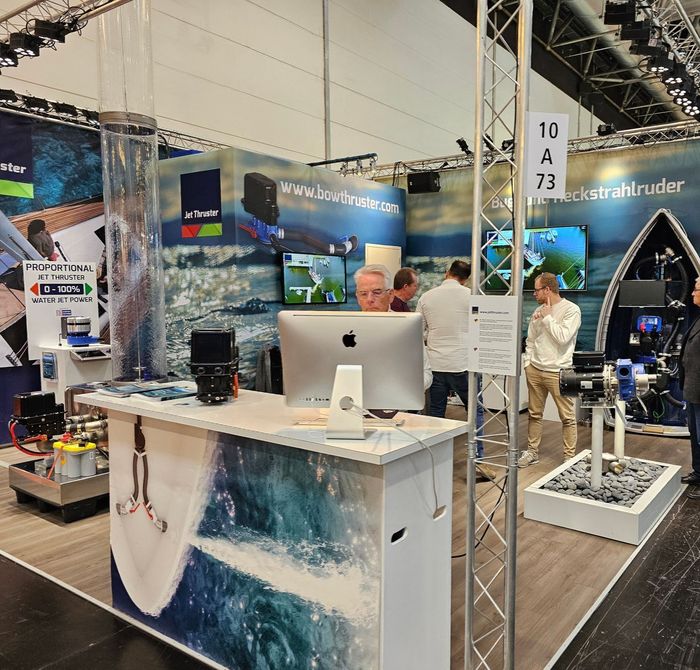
[[445, 311], [551, 339], [374, 294]]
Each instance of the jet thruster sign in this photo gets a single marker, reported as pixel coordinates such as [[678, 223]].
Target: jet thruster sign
[[53, 290]]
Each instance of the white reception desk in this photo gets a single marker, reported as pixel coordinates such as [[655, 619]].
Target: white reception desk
[[281, 548]]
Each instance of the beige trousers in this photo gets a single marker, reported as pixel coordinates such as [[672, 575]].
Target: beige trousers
[[539, 384]]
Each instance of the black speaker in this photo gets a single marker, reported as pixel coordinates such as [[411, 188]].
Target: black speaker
[[619, 12], [423, 182], [213, 362]]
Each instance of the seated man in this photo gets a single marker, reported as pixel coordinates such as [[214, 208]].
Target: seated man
[[374, 294]]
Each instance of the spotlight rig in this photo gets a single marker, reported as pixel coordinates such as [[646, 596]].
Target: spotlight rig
[[26, 45], [462, 144]]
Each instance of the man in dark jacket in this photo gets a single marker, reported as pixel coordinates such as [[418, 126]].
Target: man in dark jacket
[[690, 383], [405, 287]]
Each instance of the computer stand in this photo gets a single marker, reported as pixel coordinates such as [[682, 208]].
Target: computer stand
[[345, 421]]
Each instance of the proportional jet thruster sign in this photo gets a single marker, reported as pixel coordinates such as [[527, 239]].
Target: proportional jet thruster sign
[[53, 290]]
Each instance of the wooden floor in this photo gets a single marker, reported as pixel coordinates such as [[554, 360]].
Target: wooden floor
[[560, 572], [76, 553]]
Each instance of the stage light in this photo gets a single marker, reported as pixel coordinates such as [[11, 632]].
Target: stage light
[[507, 145], [692, 106], [660, 64], [93, 118], [606, 129], [462, 144], [489, 142], [6, 95], [24, 44], [48, 30], [64, 109], [8, 58], [35, 104], [675, 75], [619, 12]]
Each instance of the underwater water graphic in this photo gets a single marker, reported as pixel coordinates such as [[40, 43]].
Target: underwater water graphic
[[283, 569]]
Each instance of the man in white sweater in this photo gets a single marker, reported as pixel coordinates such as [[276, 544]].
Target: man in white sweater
[[551, 339]]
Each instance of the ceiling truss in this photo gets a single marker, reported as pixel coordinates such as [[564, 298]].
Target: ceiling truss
[[586, 59]]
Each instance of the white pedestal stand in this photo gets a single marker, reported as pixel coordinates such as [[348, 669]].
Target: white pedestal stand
[[345, 420]]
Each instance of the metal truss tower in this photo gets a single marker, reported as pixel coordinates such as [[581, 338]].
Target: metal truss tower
[[501, 104]]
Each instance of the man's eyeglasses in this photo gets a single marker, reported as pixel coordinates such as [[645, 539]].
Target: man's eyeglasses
[[376, 292], [537, 290]]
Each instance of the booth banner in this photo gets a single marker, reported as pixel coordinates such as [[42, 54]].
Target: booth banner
[[51, 173], [53, 291], [50, 180], [63, 163], [228, 216], [16, 165], [613, 193], [271, 558]]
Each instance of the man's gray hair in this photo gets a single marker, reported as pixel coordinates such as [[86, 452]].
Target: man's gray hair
[[375, 269]]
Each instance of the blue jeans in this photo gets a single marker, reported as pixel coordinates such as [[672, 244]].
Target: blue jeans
[[693, 411], [443, 383]]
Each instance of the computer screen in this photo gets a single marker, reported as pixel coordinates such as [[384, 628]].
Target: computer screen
[[642, 293], [561, 250], [388, 346], [313, 279]]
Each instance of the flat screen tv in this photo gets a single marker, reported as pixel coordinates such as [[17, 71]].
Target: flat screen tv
[[561, 250], [313, 279], [642, 293]]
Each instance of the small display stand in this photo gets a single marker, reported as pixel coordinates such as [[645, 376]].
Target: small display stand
[[76, 497], [625, 524], [63, 366]]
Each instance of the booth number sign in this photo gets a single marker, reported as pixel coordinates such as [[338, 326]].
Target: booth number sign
[[547, 137]]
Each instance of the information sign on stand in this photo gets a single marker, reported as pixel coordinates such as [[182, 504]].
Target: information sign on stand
[[547, 137], [494, 335], [53, 290]]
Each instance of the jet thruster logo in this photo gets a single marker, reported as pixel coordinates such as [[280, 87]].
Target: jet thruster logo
[[200, 200]]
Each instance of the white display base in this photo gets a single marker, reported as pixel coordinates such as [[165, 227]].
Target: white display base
[[625, 524], [75, 365]]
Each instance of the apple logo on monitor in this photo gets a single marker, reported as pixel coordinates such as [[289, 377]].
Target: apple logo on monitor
[[349, 339]]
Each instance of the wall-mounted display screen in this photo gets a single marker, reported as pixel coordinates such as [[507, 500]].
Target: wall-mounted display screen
[[561, 250], [642, 293], [313, 279]]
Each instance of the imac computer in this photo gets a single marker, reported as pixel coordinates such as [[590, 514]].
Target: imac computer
[[350, 360]]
